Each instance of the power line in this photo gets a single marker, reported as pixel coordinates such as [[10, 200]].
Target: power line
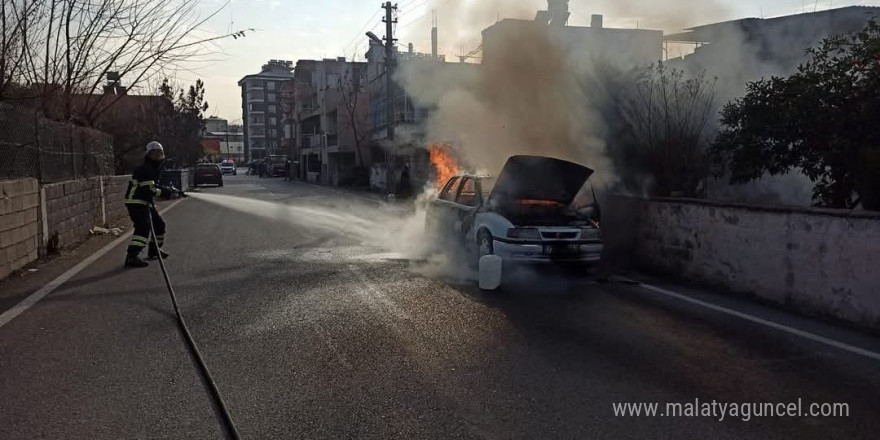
[[406, 4], [413, 8], [364, 28], [416, 20]]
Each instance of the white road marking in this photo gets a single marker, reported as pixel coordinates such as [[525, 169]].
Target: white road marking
[[35, 297], [771, 324]]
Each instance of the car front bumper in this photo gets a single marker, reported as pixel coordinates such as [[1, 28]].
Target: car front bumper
[[549, 252]]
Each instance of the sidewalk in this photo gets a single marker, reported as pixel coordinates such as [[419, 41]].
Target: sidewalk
[[31, 278]]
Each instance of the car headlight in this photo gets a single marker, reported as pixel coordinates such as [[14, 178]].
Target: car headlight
[[591, 234], [523, 234]]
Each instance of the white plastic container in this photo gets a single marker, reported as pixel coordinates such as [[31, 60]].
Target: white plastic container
[[490, 272]]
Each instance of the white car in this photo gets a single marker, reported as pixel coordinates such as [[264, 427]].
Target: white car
[[228, 168], [526, 214]]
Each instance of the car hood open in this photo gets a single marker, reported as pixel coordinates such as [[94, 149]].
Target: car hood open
[[540, 178]]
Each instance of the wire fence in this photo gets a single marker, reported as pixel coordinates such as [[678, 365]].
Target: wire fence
[[50, 151]]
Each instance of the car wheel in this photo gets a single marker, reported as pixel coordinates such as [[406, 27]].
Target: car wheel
[[220, 184], [485, 244]]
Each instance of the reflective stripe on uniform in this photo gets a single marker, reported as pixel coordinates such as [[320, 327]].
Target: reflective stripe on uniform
[[137, 240], [157, 192], [134, 186], [136, 202], [147, 183]]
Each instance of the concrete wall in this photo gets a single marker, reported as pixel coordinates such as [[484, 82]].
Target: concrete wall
[[816, 260], [19, 224], [74, 207]]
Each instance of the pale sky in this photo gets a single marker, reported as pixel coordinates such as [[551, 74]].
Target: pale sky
[[315, 29]]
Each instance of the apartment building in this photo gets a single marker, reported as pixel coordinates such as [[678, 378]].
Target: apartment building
[[327, 119], [261, 109]]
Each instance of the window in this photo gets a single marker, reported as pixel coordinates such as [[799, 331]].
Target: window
[[272, 109], [467, 195], [332, 81], [270, 85], [273, 121], [450, 190], [271, 97]]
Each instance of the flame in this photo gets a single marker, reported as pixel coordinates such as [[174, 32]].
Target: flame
[[445, 164]]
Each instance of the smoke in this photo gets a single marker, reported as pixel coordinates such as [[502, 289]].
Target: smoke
[[525, 99]]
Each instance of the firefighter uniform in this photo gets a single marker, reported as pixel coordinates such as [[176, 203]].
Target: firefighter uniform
[[143, 187]]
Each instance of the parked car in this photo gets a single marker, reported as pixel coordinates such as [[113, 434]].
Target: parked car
[[208, 174], [526, 214], [228, 168]]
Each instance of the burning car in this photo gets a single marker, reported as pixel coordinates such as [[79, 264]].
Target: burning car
[[525, 214]]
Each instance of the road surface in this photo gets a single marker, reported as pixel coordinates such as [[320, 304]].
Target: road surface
[[316, 324]]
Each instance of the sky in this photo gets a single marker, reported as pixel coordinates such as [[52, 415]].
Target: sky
[[316, 29]]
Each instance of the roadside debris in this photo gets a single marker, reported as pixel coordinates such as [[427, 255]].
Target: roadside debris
[[97, 230]]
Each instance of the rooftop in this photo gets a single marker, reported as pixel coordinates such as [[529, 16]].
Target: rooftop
[[707, 32]]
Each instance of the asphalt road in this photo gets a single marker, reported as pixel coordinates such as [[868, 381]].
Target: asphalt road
[[317, 324]]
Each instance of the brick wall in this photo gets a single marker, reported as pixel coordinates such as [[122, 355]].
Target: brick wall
[[74, 207], [114, 194], [19, 224]]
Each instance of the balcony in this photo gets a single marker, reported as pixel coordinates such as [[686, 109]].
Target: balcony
[[312, 140]]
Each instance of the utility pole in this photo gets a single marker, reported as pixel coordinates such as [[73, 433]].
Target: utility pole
[[390, 64]]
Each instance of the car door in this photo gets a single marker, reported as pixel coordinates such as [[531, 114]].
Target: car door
[[464, 209], [441, 219]]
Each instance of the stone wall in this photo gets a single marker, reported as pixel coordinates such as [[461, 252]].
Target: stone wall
[[114, 196], [19, 224], [821, 261], [74, 207]]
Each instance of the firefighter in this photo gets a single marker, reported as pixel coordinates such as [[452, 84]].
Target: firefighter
[[142, 188]]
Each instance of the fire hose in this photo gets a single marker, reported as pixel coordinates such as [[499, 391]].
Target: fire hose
[[225, 418]]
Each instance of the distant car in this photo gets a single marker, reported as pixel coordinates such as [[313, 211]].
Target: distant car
[[526, 215], [279, 170], [228, 168], [208, 174]]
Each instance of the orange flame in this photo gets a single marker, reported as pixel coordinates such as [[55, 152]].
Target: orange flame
[[445, 164]]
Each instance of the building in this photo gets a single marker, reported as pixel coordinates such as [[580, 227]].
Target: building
[[584, 45], [260, 109], [749, 49], [221, 141], [425, 71], [326, 119]]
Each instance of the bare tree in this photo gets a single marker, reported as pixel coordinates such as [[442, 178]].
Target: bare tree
[[353, 95], [668, 117], [68, 48], [15, 18]]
